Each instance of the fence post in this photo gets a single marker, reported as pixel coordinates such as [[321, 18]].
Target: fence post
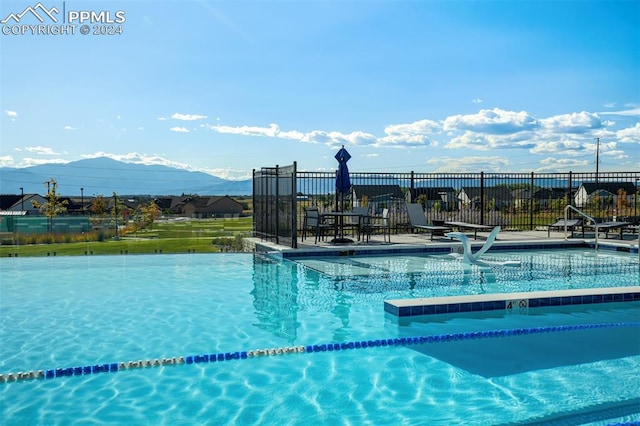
[[412, 188], [531, 203], [571, 198], [482, 198], [277, 230], [294, 206], [253, 200]]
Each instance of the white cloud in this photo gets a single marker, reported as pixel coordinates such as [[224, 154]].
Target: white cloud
[[469, 164], [493, 121], [41, 150], [629, 135], [229, 174], [476, 101], [331, 139], [272, 131], [162, 118], [180, 129], [577, 122], [70, 128], [564, 135], [7, 161], [416, 133], [565, 146], [633, 112], [11, 114], [188, 117], [148, 160], [336, 139], [137, 158], [552, 164], [28, 162]]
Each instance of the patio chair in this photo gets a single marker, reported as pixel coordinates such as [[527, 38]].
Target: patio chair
[[419, 222], [355, 223], [570, 225], [371, 224], [313, 222]]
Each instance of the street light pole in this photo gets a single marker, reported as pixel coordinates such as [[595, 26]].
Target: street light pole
[[115, 215], [82, 200]]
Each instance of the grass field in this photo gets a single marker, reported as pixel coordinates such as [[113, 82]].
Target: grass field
[[176, 236]]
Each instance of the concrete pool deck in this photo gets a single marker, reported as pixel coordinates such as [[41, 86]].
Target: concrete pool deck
[[408, 242]]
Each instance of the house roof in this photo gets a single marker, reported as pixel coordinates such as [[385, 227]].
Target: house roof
[[612, 187], [374, 191], [431, 193], [497, 192], [8, 200], [540, 193]]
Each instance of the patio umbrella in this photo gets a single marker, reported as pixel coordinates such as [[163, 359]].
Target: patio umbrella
[[343, 183]]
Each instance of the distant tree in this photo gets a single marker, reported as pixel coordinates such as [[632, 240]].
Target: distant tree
[[99, 205], [149, 213], [621, 201], [53, 206]]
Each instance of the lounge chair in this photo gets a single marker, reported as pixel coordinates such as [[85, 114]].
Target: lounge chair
[[566, 225], [607, 227], [419, 222], [475, 227]]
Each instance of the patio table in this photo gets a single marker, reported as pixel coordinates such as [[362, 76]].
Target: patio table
[[340, 225]]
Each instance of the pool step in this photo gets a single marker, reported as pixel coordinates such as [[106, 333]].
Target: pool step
[[509, 301]]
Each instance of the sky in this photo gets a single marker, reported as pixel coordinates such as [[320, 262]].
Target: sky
[[226, 87]]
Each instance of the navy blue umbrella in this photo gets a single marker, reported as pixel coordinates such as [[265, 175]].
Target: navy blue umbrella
[[343, 183]]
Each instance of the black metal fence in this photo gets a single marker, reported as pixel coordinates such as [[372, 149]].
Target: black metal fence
[[515, 201], [274, 204]]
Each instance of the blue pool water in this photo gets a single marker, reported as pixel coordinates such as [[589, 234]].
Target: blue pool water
[[68, 312]]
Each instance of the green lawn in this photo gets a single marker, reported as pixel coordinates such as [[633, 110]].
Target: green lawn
[[199, 236]]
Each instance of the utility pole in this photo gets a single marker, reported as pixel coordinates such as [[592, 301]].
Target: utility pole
[[115, 215], [49, 206], [597, 157]]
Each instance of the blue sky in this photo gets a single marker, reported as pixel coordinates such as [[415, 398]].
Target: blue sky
[[230, 86]]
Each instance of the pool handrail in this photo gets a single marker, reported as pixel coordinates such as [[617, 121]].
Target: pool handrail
[[580, 212]]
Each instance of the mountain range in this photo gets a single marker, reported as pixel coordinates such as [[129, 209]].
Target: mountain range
[[103, 176]]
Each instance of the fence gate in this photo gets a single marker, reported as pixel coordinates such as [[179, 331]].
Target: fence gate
[[274, 204]]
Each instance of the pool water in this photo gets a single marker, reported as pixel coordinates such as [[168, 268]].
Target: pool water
[[66, 312]]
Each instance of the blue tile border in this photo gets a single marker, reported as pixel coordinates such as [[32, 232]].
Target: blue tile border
[[409, 308]]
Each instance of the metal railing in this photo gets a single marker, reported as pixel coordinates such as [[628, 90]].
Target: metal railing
[[580, 212]]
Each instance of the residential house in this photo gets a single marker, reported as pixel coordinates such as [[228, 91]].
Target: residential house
[[607, 192], [495, 197], [200, 207], [376, 195], [444, 197], [544, 198], [212, 206], [21, 204]]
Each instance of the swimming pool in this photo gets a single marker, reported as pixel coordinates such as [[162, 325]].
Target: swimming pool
[[59, 313]]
